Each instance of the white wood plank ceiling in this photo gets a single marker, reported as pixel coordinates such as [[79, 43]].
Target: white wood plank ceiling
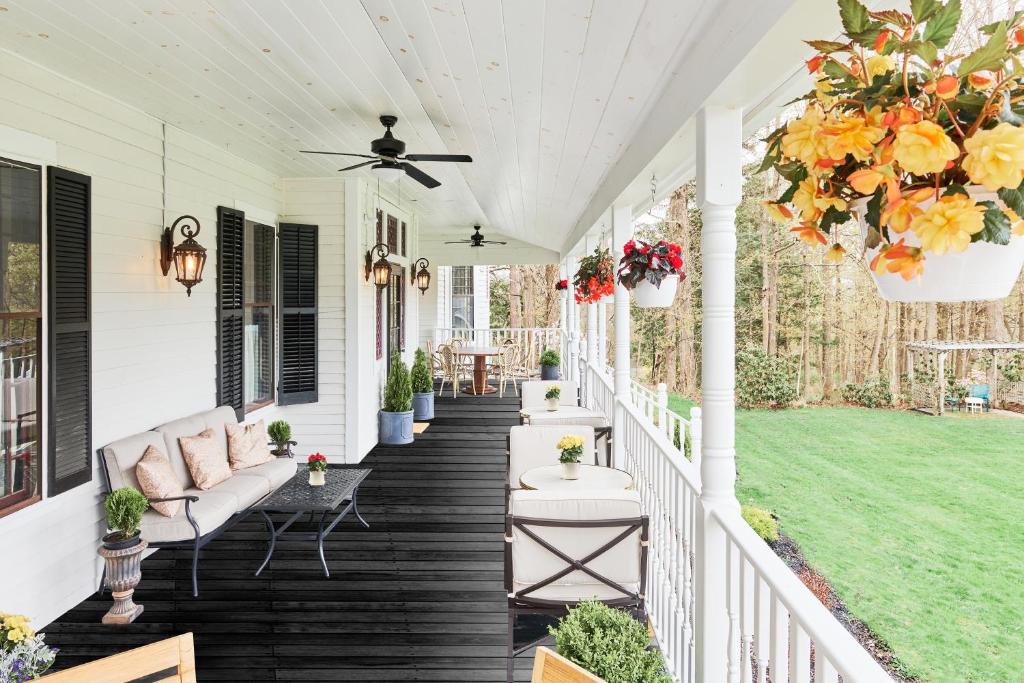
[[546, 95]]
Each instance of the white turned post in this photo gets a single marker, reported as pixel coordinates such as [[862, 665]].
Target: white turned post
[[602, 335], [563, 317], [622, 232], [591, 317], [696, 439], [719, 188], [572, 264], [661, 399]]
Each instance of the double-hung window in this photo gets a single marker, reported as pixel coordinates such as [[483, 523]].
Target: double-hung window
[[462, 297]]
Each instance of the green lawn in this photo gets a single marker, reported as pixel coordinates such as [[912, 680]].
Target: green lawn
[[916, 521]]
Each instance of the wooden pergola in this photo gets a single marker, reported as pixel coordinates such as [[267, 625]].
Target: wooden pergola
[[926, 369]]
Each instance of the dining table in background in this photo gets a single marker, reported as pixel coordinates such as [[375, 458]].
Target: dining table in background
[[480, 355]]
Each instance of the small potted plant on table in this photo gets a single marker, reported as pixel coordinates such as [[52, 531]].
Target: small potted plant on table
[[549, 362], [122, 552], [396, 415], [317, 466], [422, 388], [551, 397], [23, 655], [280, 433], [572, 450]]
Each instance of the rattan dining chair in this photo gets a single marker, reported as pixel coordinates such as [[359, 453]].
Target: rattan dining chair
[[451, 369]]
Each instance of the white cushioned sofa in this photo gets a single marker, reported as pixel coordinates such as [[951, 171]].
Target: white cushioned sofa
[[205, 513]]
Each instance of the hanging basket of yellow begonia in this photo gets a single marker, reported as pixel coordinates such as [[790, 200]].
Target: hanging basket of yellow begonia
[[924, 146]]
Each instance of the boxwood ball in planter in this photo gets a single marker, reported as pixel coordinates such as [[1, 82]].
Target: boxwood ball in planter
[[395, 424], [422, 388], [549, 362]]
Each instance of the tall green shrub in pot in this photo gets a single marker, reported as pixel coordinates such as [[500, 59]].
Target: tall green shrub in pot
[[549, 362], [395, 422], [422, 388]]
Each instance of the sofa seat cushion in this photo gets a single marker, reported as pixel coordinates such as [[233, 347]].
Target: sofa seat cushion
[[276, 472], [207, 463], [247, 445], [157, 480], [210, 511], [246, 490]]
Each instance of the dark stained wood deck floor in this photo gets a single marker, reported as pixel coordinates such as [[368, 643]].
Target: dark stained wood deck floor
[[417, 597]]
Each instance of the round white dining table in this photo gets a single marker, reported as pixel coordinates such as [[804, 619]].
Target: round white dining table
[[592, 477]]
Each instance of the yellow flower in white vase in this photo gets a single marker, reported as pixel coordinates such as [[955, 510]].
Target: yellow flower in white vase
[[995, 157], [923, 148]]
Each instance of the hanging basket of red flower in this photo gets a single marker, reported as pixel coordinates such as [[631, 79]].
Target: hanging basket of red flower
[[595, 278], [652, 272], [561, 285]]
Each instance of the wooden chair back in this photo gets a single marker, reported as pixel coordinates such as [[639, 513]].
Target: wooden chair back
[[165, 661], [551, 667]]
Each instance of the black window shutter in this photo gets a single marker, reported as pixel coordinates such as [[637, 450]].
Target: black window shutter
[[70, 404], [230, 309], [298, 362]]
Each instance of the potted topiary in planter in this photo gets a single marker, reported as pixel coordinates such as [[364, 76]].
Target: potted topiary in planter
[[549, 362], [396, 414], [652, 272], [422, 388], [551, 397], [280, 433], [122, 551], [572, 450]]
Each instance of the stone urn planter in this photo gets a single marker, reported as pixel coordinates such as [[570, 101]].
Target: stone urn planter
[[985, 271], [123, 558], [395, 429], [423, 405], [647, 295]]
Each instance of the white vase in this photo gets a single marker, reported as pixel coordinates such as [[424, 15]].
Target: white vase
[[647, 295], [317, 478], [983, 272], [552, 404], [570, 470]]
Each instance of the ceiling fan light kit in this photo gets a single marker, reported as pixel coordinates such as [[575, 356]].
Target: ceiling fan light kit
[[387, 162]]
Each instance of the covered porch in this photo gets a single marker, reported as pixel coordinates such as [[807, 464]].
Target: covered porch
[[201, 110]]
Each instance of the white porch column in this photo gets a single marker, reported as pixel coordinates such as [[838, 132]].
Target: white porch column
[[622, 232], [602, 335], [719, 188], [563, 322], [591, 317], [572, 264]]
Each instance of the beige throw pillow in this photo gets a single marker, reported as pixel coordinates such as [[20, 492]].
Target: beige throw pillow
[[247, 445], [157, 480], [206, 461]]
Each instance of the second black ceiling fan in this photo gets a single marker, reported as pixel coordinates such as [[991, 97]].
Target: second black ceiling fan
[[388, 162]]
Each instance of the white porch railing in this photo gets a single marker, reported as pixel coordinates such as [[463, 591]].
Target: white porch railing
[[683, 434], [533, 340], [774, 621]]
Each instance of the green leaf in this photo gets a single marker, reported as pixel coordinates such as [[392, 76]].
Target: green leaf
[[997, 226], [787, 196], [833, 70], [991, 56], [941, 27], [925, 49], [1013, 198], [854, 15], [989, 29], [833, 216], [955, 188], [922, 9], [828, 46], [794, 171], [874, 210]]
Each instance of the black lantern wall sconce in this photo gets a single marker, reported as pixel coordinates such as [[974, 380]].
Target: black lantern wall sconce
[[379, 269], [188, 258], [422, 277]]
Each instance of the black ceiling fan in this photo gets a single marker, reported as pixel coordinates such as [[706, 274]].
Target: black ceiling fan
[[476, 239], [387, 160]]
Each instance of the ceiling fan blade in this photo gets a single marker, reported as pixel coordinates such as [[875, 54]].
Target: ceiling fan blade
[[343, 154], [464, 158], [349, 168], [420, 177], [460, 242], [494, 242]]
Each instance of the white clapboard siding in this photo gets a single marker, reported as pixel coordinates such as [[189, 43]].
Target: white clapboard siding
[[153, 347]]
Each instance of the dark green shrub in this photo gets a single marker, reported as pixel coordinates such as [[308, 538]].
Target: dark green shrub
[[550, 358], [762, 522], [609, 643], [421, 380], [874, 393], [398, 389], [764, 381], [279, 431], [124, 507]]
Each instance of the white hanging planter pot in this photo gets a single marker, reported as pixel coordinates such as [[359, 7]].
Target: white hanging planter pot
[[647, 295], [985, 271]]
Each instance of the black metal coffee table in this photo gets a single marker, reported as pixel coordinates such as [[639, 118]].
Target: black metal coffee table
[[298, 497]]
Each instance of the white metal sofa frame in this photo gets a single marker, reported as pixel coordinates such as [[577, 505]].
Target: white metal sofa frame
[[519, 602]]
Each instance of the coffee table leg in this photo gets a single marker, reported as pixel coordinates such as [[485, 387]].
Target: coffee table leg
[[320, 546], [274, 533], [355, 508]]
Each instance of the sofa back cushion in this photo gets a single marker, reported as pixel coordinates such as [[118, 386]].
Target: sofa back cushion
[[534, 390], [532, 446], [247, 445], [120, 458], [213, 420], [207, 463]]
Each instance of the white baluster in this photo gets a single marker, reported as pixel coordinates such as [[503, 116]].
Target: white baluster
[[799, 654]]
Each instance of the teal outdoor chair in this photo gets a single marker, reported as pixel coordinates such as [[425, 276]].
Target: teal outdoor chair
[[981, 391]]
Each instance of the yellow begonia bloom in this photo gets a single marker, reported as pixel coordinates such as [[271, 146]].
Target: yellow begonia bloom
[[835, 254], [15, 635], [850, 135], [995, 157], [1016, 224], [779, 213], [922, 148], [948, 224], [569, 441], [879, 65], [822, 91], [899, 213], [802, 139], [803, 199]]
